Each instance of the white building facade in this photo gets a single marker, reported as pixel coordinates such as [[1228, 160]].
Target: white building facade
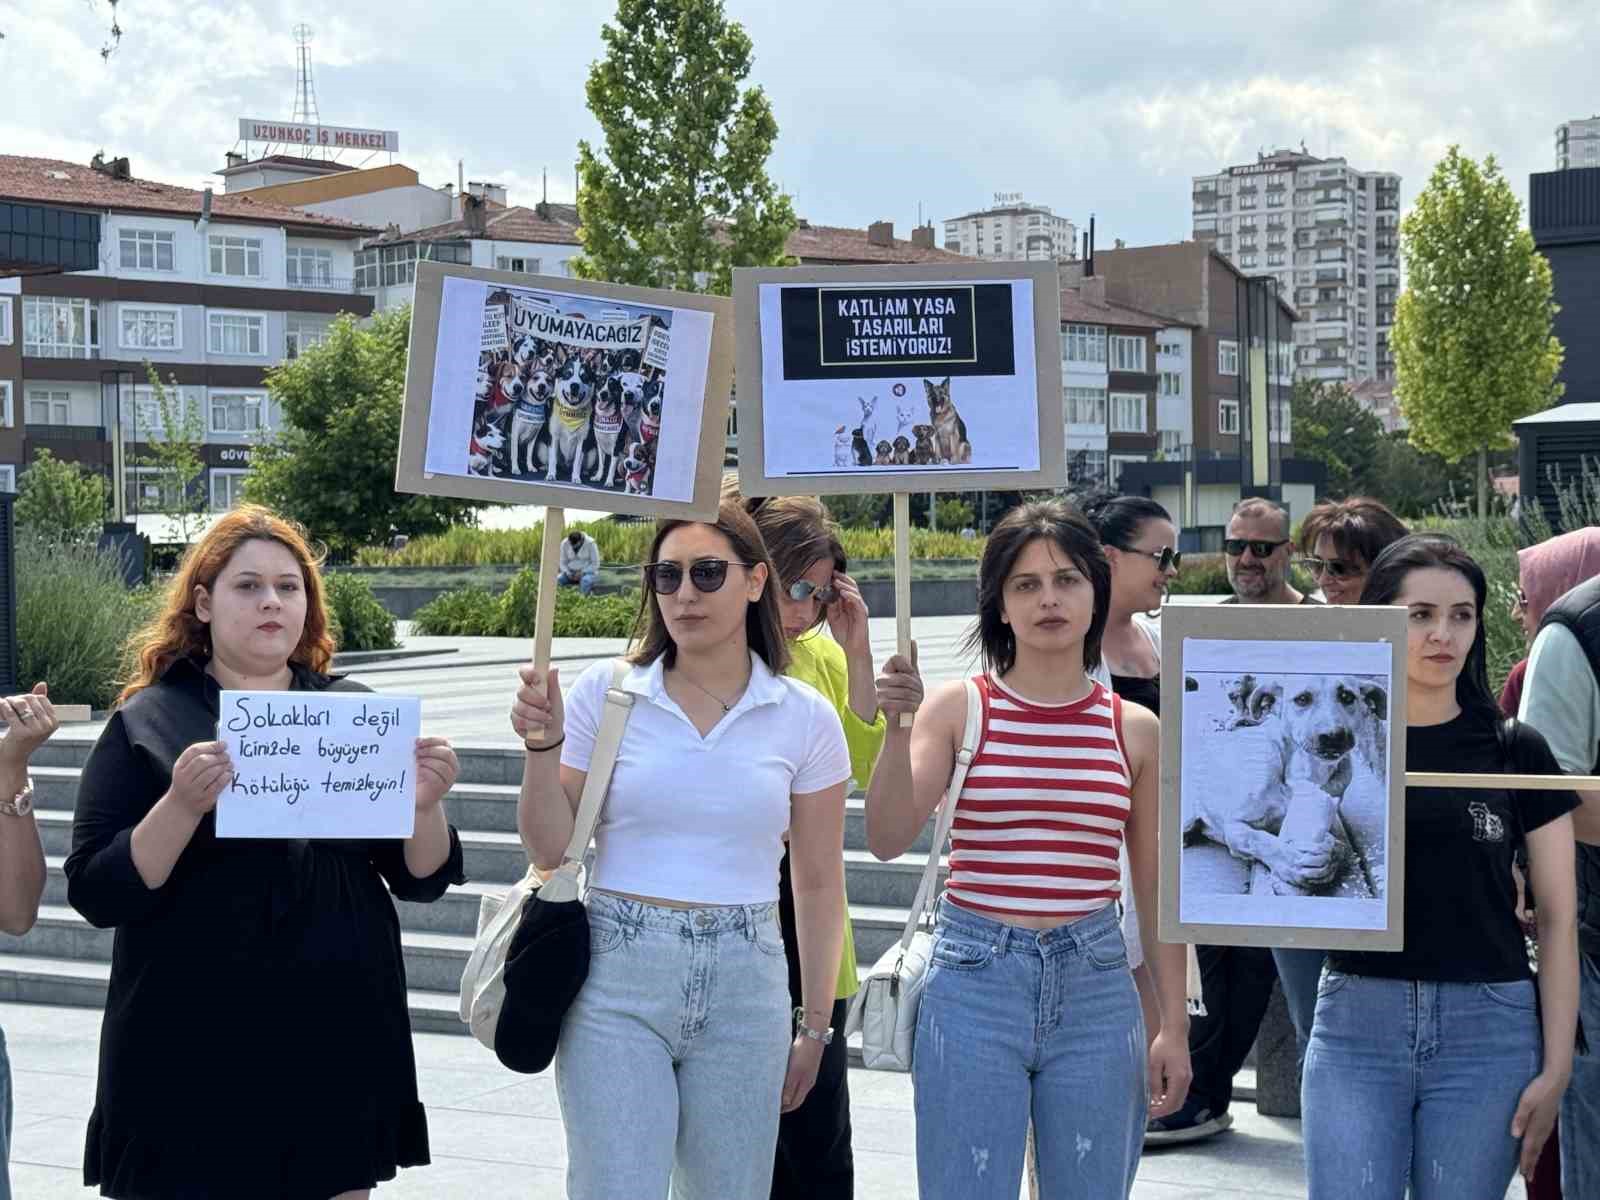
[[1012, 229], [1578, 144]]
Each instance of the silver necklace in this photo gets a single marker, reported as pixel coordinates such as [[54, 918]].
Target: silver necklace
[[726, 707]]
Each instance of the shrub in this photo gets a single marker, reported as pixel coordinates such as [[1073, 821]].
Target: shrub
[[953, 514], [60, 501], [74, 619], [473, 612], [360, 622], [469, 612]]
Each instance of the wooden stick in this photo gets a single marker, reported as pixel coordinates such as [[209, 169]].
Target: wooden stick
[[544, 615], [1526, 783], [902, 583], [70, 714]]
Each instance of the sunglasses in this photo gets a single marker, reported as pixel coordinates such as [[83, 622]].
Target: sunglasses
[[1331, 567], [1520, 600], [804, 589], [707, 575], [1167, 559], [1235, 546]]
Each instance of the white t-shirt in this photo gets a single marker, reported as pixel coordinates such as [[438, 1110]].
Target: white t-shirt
[[702, 819]]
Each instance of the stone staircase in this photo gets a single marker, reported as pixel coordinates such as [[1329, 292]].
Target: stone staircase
[[65, 960]]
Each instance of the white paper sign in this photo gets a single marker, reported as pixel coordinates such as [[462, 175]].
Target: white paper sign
[[319, 765], [494, 329]]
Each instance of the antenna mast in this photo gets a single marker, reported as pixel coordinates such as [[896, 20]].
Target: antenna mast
[[305, 91]]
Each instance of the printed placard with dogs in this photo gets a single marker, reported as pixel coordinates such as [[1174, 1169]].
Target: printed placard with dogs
[[1283, 776], [563, 392], [899, 379]]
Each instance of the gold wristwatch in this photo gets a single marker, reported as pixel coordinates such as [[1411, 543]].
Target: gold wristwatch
[[22, 805]]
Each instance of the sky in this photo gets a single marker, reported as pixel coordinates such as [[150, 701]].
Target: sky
[[886, 110]]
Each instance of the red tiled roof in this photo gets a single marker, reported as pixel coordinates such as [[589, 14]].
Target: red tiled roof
[[1087, 312], [51, 181], [834, 244], [514, 224]]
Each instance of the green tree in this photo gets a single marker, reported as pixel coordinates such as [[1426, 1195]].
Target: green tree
[[176, 457], [681, 196], [60, 501], [1332, 428], [331, 463], [1472, 343]]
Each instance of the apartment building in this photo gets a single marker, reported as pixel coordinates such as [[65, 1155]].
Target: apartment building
[[1329, 234], [1578, 144], [1109, 379], [1012, 229], [108, 272]]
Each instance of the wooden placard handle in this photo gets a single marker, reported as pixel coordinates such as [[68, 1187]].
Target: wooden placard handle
[[902, 583], [544, 613], [1526, 783]]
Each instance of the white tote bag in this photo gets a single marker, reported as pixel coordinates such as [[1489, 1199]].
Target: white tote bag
[[483, 985], [884, 1010]]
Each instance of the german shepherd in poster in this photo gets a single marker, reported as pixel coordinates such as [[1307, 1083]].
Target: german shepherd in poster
[[881, 439], [574, 393]]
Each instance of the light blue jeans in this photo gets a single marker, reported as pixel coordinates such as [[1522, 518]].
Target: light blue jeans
[[1411, 1082], [671, 1061], [1299, 972], [1580, 1107], [1018, 1024]]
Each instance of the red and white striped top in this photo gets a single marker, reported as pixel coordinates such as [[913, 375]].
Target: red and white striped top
[[1041, 815]]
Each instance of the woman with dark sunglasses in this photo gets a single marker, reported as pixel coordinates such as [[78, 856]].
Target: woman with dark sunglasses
[[681, 1050], [1341, 539], [815, 1159]]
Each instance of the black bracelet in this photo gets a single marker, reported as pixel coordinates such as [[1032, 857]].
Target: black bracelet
[[541, 749]]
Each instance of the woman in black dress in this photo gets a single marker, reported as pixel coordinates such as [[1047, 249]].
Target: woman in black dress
[[256, 1041]]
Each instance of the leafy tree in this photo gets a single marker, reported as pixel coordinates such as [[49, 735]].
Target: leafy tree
[[176, 456], [681, 196], [60, 501], [1331, 427], [1472, 343], [331, 464]]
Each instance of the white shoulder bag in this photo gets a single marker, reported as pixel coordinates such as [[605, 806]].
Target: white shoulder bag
[[884, 1010], [483, 987]]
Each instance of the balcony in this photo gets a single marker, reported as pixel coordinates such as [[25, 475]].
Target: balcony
[[314, 282], [65, 433]]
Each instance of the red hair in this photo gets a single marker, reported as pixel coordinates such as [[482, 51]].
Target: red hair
[[178, 632]]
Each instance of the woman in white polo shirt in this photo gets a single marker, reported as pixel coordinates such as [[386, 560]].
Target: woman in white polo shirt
[[680, 1052]]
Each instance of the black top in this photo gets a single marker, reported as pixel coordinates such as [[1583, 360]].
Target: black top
[[1139, 690], [256, 1041], [1460, 904]]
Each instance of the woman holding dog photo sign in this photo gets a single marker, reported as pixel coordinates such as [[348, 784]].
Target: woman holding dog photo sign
[[1030, 1008], [682, 1048], [256, 1041], [1444, 1064]]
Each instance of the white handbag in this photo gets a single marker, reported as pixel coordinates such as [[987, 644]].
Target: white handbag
[[884, 1009], [483, 987]]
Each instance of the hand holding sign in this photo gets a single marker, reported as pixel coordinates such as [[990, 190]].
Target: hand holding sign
[[199, 776], [537, 709], [436, 771], [900, 684]]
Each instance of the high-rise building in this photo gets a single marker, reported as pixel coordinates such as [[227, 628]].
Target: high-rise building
[[1012, 229], [1330, 235], [1578, 144]]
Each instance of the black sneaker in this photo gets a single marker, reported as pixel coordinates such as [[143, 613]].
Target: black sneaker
[[1191, 1123]]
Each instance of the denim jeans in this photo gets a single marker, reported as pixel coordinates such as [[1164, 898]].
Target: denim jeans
[[1412, 1082], [671, 1061], [1018, 1024], [1299, 972], [5, 1120], [584, 583], [1580, 1107]]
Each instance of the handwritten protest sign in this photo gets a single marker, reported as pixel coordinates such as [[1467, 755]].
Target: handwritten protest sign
[[494, 329], [319, 765]]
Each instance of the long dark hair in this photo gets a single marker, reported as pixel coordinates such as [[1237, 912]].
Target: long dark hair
[[1417, 552], [763, 627], [1118, 519], [1071, 531]]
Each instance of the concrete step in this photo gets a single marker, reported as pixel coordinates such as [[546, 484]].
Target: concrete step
[[855, 827], [884, 884]]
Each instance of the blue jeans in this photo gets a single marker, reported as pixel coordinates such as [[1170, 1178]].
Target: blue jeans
[[1580, 1107], [1298, 972], [5, 1120], [1411, 1082], [671, 1061], [1018, 1024], [584, 582]]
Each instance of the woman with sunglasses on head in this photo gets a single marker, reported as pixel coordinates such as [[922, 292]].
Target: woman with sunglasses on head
[[681, 1050], [1029, 1007], [1432, 1065], [1341, 539], [815, 1159]]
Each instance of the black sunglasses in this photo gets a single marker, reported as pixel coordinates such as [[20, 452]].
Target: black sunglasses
[[1167, 559], [804, 589], [1235, 546], [707, 575], [1332, 567]]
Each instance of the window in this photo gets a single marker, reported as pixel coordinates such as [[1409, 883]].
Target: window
[[527, 266], [1127, 354], [308, 267], [1227, 358], [146, 250], [1285, 422], [7, 416], [60, 328], [150, 489], [8, 478], [227, 488], [236, 256], [1086, 465], [1227, 416], [1086, 406], [1118, 461], [1169, 442], [5, 321], [1127, 412], [300, 334], [399, 264], [1247, 260], [149, 328], [236, 333], [237, 412], [1171, 383], [1275, 258], [49, 408], [1084, 343], [147, 410], [366, 268]]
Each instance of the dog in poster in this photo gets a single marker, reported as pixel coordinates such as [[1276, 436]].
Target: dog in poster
[[949, 430], [528, 420], [859, 447], [609, 429], [574, 396], [637, 467], [923, 454], [884, 456], [902, 451], [487, 440]]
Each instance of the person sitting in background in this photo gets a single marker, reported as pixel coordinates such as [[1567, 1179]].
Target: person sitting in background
[[580, 562]]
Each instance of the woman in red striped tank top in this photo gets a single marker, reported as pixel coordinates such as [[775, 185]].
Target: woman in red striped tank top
[[1029, 1009]]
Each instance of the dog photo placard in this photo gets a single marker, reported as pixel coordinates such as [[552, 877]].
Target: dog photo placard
[[539, 390], [897, 379], [1283, 776]]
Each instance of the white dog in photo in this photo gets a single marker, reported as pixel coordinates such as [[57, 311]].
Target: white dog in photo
[[574, 408]]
